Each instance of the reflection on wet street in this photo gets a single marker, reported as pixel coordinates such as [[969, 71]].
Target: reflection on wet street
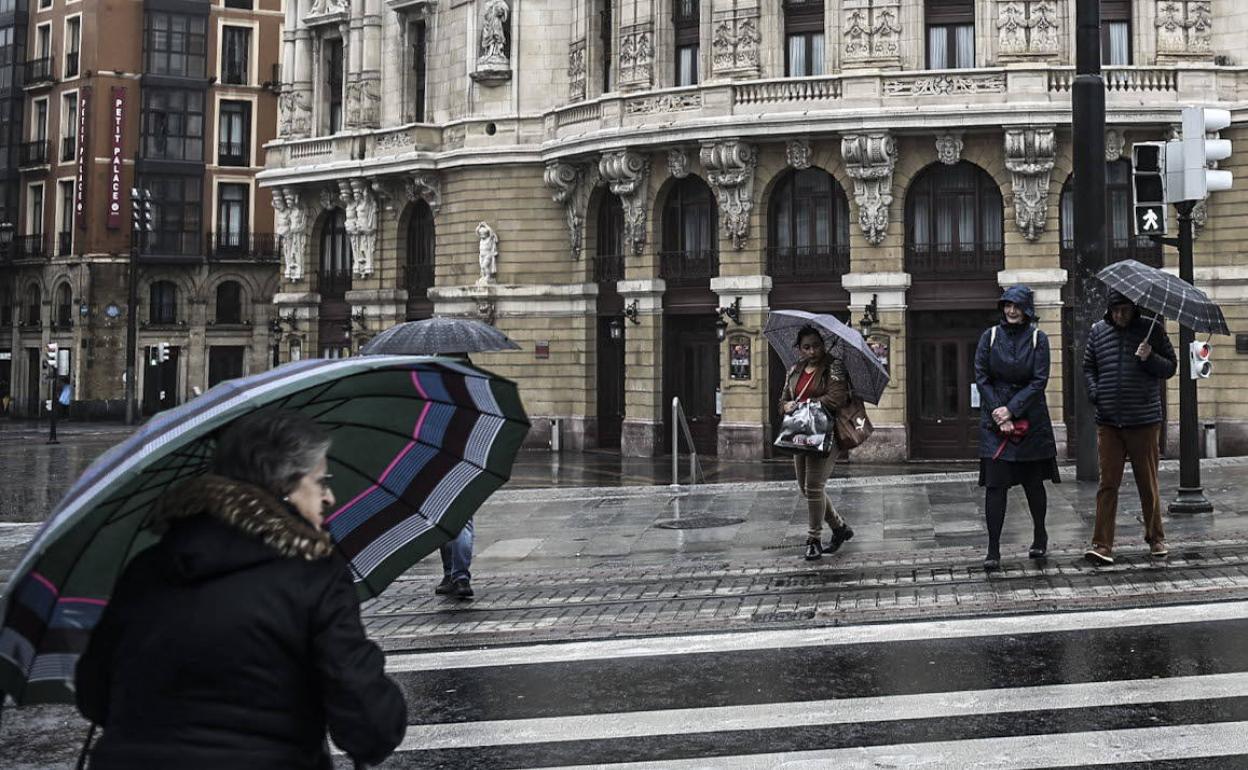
[[34, 475]]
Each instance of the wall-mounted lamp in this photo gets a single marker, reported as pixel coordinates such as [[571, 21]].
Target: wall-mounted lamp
[[358, 318], [616, 327], [632, 312], [870, 316], [732, 311]]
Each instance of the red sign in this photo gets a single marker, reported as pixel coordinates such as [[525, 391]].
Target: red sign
[[117, 113], [80, 188]]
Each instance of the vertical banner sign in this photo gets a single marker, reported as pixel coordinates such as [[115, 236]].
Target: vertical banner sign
[[117, 119], [84, 155]]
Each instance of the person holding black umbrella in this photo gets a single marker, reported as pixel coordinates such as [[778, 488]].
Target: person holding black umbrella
[[1016, 435], [1124, 365]]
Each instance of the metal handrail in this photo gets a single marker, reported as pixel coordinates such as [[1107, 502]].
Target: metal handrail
[[679, 424]]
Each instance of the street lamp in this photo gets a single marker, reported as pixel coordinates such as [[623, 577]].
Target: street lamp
[[732, 311], [616, 327], [870, 316], [632, 311]]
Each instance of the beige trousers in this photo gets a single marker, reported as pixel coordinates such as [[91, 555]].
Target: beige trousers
[[812, 477]]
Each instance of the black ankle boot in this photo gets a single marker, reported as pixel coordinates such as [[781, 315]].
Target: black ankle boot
[[839, 536], [992, 562], [813, 550]]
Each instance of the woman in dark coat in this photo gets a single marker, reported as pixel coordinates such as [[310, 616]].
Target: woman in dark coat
[[1012, 371], [236, 640]]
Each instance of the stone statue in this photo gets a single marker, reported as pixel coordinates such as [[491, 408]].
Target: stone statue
[[296, 238], [487, 254], [365, 235], [493, 32]]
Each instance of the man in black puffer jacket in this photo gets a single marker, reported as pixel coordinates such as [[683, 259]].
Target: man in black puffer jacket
[[1124, 366]]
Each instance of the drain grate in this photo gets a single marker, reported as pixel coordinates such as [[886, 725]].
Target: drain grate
[[698, 522]]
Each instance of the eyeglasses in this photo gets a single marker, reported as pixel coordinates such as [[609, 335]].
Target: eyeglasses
[[323, 481]]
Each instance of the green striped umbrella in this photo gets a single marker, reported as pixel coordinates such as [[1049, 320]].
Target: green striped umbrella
[[418, 444]]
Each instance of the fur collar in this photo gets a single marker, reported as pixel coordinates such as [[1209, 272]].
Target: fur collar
[[248, 509]]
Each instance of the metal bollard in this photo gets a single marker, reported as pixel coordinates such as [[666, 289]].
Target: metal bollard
[[1211, 440]]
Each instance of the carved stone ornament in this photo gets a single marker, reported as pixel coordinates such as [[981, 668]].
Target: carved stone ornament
[[678, 162], [487, 254], [869, 161], [730, 166], [572, 186], [945, 85], [494, 44], [797, 153], [949, 148], [395, 142], [1115, 143], [326, 12], [294, 109], [292, 220], [576, 70], [872, 29], [637, 55], [1027, 27], [1184, 27], [425, 186], [736, 42], [364, 102], [677, 102], [361, 209], [1029, 156], [626, 173]]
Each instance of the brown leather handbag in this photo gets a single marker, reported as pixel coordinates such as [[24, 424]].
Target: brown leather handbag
[[852, 424]]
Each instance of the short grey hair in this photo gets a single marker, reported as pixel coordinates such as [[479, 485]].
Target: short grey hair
[[272, 449]]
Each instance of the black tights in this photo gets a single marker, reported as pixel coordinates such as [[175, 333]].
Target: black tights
[[994, 509]]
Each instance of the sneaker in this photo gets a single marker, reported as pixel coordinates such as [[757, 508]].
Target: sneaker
[[461, 589], [1158, 548], [444, 588], [839, 535], [813, 549], [1099, 555]]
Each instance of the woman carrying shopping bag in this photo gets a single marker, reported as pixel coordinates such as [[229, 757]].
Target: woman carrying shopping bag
[[1016, 435], [818, 376]]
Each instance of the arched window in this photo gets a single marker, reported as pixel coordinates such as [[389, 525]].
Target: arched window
[[163, 305], [609, 240], [1121, 242], [229, 303], [954, 222], [809, 221], [34, 299], [421, 242], [690, 252], [334, 278], [6, 304], [64, 306]]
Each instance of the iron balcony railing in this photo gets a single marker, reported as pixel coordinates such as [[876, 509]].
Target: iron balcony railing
[[953, 260], [33, 153], [39, 71], [30, 246], [795, 264], [254, 247], [608, 268], [685, 268], [173, 243]]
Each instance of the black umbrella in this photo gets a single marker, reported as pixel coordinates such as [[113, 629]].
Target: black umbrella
[[1165, 294], [438, 336], [867, 377]]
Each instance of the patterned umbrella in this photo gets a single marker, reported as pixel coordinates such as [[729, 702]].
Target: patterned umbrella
[[1165, 294], [867, 377], [418, 445], [438, 336]]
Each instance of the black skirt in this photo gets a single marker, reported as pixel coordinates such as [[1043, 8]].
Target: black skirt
[[999, 474]]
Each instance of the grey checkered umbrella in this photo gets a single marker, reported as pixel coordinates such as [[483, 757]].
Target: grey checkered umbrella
[[1166, 295], [438, 336], [867, 377]]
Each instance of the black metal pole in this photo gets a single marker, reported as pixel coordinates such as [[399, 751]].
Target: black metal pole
[[53, 404], [132, 323], [1191, 496], [1088, 129]]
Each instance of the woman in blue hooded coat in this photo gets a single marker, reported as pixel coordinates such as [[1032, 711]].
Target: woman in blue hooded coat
[[1016, 435]]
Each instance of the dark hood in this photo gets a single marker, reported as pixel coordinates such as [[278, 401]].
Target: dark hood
[[1023, 298], [1118, 298], [213, 526]]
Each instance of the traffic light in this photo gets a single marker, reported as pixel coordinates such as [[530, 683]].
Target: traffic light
[[1188, 176], [1201, 354], [142, 210], [52, 351], [162, 352], [1148, 185]]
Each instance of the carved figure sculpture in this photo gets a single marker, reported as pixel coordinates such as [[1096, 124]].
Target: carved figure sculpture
[[493, 32], [487, 254]]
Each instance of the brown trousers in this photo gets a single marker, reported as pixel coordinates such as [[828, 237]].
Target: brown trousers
[[812, 478], [1114, 446]]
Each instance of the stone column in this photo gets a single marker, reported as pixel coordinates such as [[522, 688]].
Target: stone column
[[642, 432], [744, 426], [888, 291], [298, 90]]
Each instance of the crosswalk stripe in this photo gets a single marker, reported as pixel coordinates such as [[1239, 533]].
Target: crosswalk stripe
[[813, 637], [1024, 752], [799, 714]]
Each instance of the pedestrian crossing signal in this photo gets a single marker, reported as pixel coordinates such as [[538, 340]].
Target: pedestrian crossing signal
[[1148, 187], [53, 350], [1201, 354]]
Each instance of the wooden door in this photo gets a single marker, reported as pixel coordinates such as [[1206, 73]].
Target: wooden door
[[610, 385], [691, 372], [943, 404]]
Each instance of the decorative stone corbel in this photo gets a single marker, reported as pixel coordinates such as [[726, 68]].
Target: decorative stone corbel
[[293, 221], [361, 205], [1115, 142], [572, 185], [425, 186], [869, 161], [730, 165], [798, 154], [949, 148], [625, 173], [678, 162], [1029, 155]]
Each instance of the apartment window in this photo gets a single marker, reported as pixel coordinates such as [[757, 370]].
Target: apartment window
[[39, 121], [230, 303], [950, 34], [34, 209], [418, 37], [803, 27], [605, 37], [163, 303], [43, 41], [177, 212], [69, 126], [1116, 32], [232, 217], [234, 134], [73, 41], [685, 22], [245, 5], [8, 6], [173, 124], [333, 83], [6, 304], [65, 217], [64, 306], [235, 49], [45, 4], [8, 56], [176, 44], [34, 304]]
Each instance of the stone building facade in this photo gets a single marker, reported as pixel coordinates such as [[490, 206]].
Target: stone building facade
[[609, 180], [177, 98]]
